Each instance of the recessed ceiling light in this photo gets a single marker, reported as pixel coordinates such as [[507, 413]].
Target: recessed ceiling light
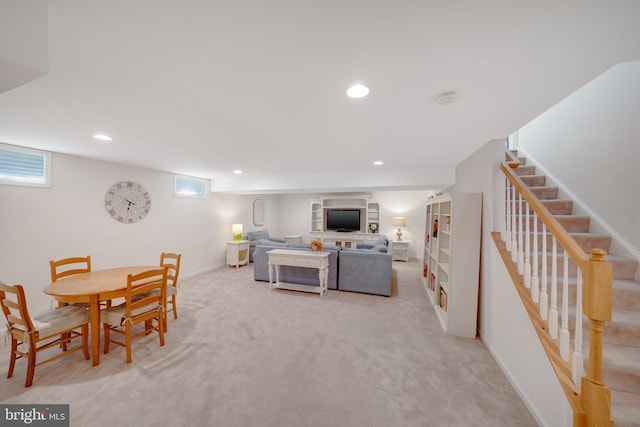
[[358, 91], [102, 137], [378, 163], [446, 98], [237, 171]]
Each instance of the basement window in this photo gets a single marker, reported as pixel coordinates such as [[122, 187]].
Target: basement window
[[186, 186], [24, 166]]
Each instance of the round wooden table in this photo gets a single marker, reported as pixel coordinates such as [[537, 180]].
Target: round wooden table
[[93, 287]]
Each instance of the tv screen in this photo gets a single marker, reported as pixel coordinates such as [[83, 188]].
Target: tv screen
[[343, 219]]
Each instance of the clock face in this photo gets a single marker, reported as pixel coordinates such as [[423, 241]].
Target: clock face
[[127, 202]]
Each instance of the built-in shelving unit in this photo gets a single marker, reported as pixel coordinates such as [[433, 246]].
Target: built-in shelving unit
[[369, 220], [451, 260]]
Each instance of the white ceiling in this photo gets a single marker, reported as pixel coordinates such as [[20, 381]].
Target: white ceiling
[[205, 87]]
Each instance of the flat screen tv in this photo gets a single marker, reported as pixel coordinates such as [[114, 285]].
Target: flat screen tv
[[343, 219]]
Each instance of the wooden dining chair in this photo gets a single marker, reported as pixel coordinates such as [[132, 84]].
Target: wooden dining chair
[[172, 261], [144, 303], [69, 266], [32, 335]]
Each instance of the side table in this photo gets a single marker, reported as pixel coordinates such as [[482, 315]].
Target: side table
[[237, 252], [400, 250]]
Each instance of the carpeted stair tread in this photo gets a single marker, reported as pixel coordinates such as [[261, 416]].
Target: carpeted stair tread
[[587, 241], [621, 330], [559, 206], [621, 366], [625, 409], [525, 170], [545, 193], [534, 180], [554, 206], [626, 293], [571, 223]]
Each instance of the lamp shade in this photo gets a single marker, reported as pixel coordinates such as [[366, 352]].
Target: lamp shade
[[236, 229], [399, 221]]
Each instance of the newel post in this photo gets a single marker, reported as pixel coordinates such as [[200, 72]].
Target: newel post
[[597, 306]]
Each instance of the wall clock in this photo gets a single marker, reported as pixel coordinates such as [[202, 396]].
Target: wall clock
[[127, 202]]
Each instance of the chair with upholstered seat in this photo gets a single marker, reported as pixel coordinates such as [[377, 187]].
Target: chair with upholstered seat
[[32, 335], [172, 261], [145, 302]]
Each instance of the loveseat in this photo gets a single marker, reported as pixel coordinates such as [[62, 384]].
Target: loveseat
[[366, 269]]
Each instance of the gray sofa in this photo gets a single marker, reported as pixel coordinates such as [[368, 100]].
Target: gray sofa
[[255, 236], [366, 269], [304, 276]]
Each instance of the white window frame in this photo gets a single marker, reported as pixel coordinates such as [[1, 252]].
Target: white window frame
[[192, 179], [21, 181]]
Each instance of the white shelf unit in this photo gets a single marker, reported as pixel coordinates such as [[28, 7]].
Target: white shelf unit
[[451, 260], [316, 215], [369, 213]]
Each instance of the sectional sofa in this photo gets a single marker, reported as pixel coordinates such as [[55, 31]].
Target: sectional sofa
[[366, 269]]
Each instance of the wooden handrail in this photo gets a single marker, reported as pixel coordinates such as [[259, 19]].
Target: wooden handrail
[[566, 241], [589, 400]]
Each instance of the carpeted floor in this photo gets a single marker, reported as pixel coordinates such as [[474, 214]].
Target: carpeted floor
[[242, 355]]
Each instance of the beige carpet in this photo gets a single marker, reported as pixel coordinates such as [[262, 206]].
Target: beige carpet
[[242, 355]]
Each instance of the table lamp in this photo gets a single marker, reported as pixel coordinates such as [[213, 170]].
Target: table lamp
[[236, 229], [399, 221]]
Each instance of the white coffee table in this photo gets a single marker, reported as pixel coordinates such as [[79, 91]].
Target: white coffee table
[[309, 259]]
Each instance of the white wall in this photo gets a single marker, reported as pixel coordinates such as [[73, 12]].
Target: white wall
[[590, 142], [295, 214], [69, 219], [504, 326]]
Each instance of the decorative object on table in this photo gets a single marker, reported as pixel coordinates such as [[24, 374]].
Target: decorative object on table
[[236, 229], [127, 202], [399, 221], [316, 245], [373, 227]]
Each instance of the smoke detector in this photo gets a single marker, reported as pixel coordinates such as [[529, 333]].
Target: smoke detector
[[446, 98]]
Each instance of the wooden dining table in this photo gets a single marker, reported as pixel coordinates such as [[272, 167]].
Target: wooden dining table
[[93, 287]]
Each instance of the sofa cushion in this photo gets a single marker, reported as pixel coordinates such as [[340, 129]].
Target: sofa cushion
[[258, 234], [267, 242], [380, 247], [383, 239], [299, 245]]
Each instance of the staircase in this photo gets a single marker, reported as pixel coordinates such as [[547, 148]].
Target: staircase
[[621, 335]]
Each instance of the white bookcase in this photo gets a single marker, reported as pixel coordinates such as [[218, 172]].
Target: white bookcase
[[452, 260]]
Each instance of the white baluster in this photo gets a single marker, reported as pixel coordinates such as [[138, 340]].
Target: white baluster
[[507, 235], [520, 238], [514, 228], [553, 312], [578, 359], [527, 250], [544, 296], [535, 281], [564, 327]]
